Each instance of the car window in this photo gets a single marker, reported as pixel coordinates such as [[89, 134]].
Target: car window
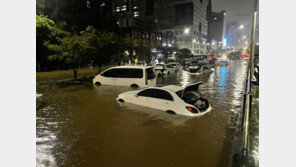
[[122, 73], [156, 93], [136, 73], [109, 73], [150, 73]]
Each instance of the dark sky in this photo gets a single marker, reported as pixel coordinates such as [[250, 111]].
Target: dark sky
[[236, 10]]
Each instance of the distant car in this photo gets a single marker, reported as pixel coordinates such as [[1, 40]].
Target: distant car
[[198, 70], [194, 67], [141, 63], [176, 65], [173, 99], [164, 69], [133, 76]]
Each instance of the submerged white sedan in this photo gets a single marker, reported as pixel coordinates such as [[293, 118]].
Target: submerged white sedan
[[173, 99]]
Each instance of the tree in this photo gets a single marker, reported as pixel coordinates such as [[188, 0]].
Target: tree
[[184, 53], [103, 45], [46, 31], [73, 50]]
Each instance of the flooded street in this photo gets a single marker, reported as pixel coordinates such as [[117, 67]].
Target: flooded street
[[83, 125]]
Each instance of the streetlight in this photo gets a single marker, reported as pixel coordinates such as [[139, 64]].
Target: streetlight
[[186, 31], [241, 26]]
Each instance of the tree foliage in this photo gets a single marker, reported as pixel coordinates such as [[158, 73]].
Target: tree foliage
[[73, 50], [184, 53]]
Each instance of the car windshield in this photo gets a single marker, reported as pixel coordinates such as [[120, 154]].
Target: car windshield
[[150, 73]]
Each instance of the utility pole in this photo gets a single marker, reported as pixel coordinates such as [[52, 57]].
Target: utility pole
[[253, 43]]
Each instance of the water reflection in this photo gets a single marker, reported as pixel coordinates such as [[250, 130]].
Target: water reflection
[[222, 79]]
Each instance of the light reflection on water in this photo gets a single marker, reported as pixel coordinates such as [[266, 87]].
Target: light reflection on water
[[84, 125]]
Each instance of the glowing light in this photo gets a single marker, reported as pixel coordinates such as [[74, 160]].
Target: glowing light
[[241, 26], [194, 40], [186, 31]]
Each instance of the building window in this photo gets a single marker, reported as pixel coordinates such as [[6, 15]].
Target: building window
[[136, 14]]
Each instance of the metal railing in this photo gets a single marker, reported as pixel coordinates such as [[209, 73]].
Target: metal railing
[[243, 159]]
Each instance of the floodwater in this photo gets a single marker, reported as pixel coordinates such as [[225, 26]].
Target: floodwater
[[83, 125]]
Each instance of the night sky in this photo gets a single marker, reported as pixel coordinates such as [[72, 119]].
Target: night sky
[[236, 10]]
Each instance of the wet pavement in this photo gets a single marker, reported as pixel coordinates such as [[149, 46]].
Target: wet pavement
[[83, 125]]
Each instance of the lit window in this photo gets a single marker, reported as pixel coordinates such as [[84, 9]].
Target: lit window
[[123, 8], [136, 14]]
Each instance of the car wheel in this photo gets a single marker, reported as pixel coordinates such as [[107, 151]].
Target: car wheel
[[159, 75], [170, 112], [120, 100], [134, 86], [168, 73], [98, 83]]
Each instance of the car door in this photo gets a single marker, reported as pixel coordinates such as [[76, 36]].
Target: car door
[[108, 77], [142, 98], [122, 77], [160, 99]]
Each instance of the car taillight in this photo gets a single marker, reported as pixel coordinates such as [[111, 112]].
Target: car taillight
[[192, 109]]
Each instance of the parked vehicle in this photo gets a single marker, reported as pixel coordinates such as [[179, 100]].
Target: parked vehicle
[[164, 69], [200, 69], [176, 65], [141, 63], [173, 99], [194, 67], [134, 76]]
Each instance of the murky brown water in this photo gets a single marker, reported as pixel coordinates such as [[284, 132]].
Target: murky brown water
[[83, 125]]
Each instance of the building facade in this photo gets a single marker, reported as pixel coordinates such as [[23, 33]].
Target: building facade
[[183, 23], [134, 17]]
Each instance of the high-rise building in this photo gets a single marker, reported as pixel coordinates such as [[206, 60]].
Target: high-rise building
[[133, 16], [233, 35], [183, 23]]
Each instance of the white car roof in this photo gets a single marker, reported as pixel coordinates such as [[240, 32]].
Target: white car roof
[[173, 88], [135, 67]]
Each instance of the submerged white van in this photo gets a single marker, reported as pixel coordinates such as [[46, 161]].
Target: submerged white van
[[133, 76]]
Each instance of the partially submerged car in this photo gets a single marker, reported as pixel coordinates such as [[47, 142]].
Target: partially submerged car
[[133, 76], [164, 69], [173, 99], [176, 65], [197, 69]]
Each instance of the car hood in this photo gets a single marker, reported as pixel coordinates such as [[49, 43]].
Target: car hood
[[191, 87]]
